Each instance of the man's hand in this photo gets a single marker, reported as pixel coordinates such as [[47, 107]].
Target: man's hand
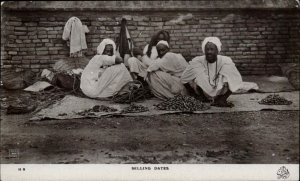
[[119, 60]]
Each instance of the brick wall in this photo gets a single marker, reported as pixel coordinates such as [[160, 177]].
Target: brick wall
[[258, 41]]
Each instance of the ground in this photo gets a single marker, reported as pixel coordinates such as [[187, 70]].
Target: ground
[[242, 137]]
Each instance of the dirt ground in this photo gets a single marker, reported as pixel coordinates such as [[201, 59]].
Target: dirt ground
[[247, 137], [241, 137]]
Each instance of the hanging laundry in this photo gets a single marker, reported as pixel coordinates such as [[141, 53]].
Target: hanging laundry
[[124, 42], [74, 31]]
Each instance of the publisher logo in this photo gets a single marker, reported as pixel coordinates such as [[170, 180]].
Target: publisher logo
[[283, 173]]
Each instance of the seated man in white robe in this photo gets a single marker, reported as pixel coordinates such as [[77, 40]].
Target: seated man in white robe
[[212, 77], [164, 74], [105, 73], [139, 66]]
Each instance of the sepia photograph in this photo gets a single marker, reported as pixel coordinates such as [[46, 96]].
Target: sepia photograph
[[150, 87]]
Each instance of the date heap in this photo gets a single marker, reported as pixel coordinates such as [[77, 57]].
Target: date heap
[[134, 108], [97, 108], [102, 108], [274, 100], [182, 103]]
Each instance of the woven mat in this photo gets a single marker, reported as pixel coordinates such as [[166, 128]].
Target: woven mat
[[70, 106]]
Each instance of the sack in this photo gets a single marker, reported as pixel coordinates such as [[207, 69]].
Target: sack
[[68, 64], [66, 81], [17, 78], [292, 72], [294, 79]]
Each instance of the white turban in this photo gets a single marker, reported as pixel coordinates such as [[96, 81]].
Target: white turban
[[163, 42], [102, 45], [214, 40]]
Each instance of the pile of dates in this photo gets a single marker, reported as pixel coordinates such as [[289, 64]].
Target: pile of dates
[[97, 108], [274, 100], [134, 108], [182, 103]]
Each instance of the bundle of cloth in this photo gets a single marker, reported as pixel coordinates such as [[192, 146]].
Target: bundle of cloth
[[74, 31], [124, 42]]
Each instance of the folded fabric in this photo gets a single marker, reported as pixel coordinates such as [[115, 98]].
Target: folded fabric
[[75, 32], [38, 86]]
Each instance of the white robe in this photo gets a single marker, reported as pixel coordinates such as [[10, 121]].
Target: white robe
[[102, 79], [140, 67], [211, 77], [164, 75]]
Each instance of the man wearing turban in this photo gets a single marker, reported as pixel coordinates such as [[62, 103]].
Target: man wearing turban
[[163, 75], [105, 73], [139, 67], [212, 77]]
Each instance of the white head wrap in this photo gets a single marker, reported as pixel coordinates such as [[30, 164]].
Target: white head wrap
[[102, 45], [214, 40], [163, 42]]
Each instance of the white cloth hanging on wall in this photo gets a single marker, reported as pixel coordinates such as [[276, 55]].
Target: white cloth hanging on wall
[[75, 32]]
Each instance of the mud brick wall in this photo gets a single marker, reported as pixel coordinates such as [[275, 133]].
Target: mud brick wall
[[258, 41]]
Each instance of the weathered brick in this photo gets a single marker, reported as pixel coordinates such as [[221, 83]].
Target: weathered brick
[[14, 23], [15, 62], [55, 48], [51, 36], [44, 61], [31, 33], [41, 48], [31, 28], [20, 33], [42, 32], [58, 28], [20, 28], [52, 32], [53, 52], [12, 52], [42, 36], [49, 44], [32, 37], [23, 37], [51, 24], [7, 66], [16, 58], [39, 52], [31, 24], [63, 52], [143, 23], [29, 57], [34, 61], [12, 36], [26, 41], [35, 66], [36, 41]]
